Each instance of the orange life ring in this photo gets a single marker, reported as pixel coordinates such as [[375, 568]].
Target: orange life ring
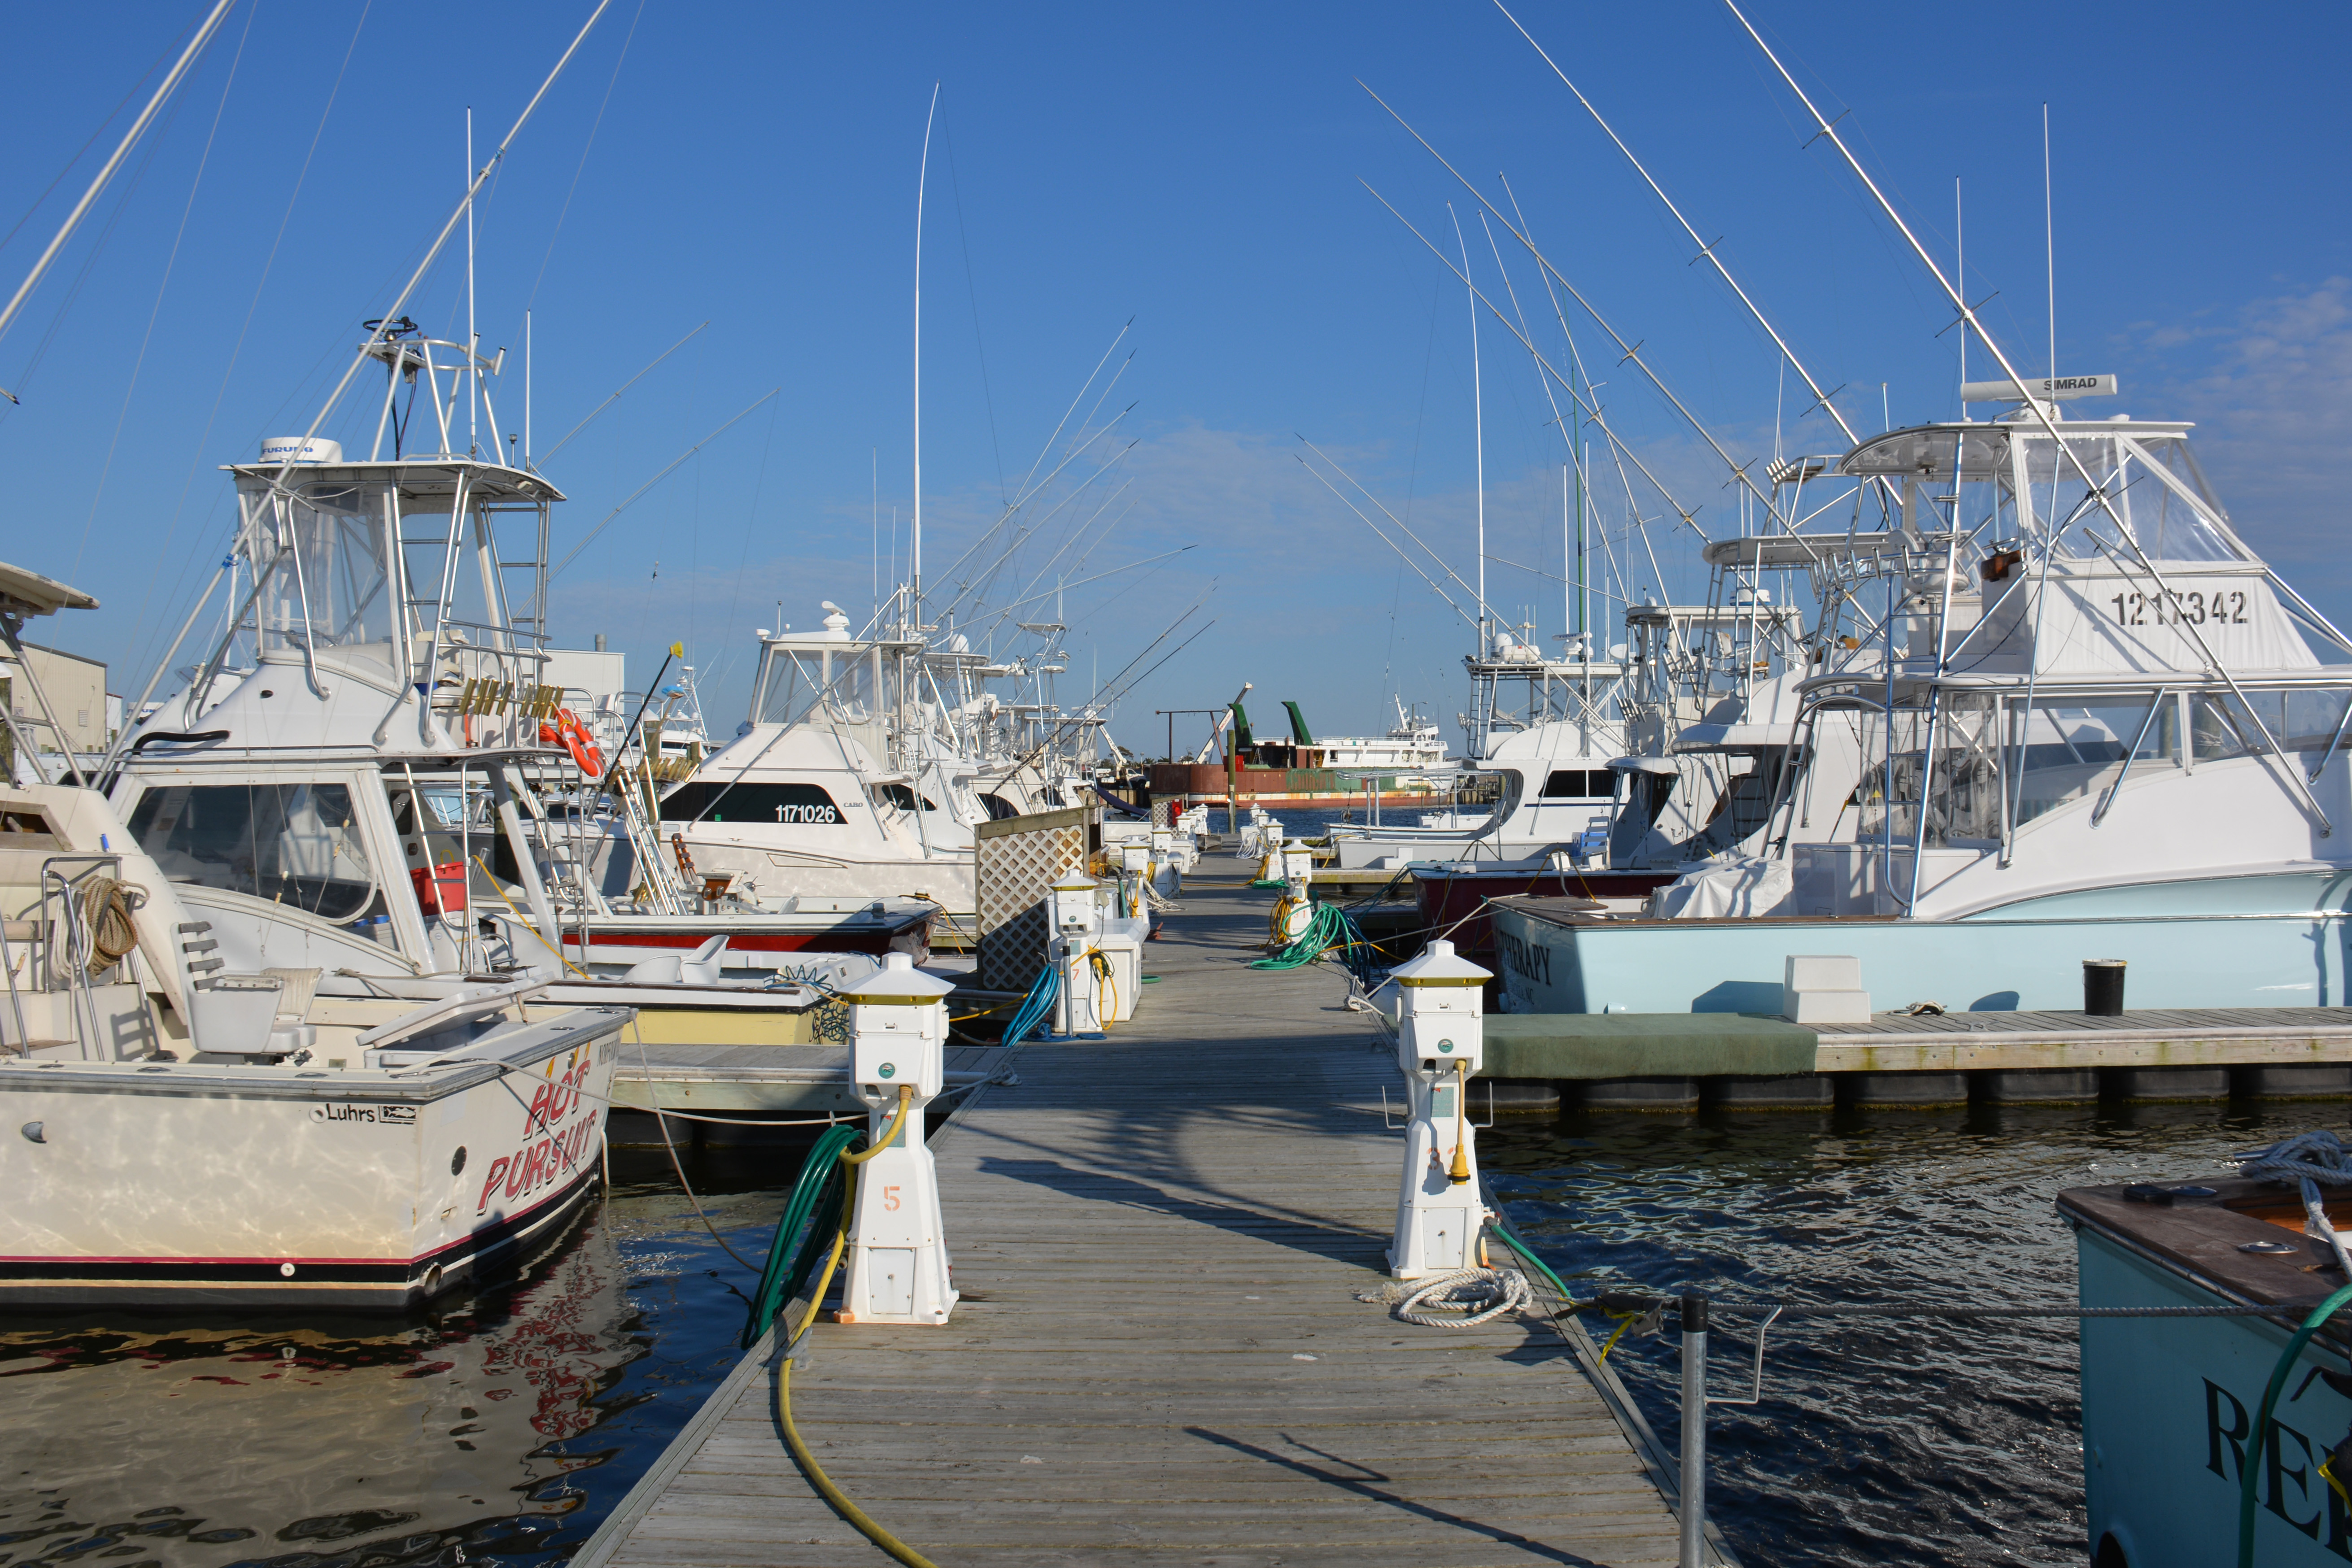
[[568, 731]]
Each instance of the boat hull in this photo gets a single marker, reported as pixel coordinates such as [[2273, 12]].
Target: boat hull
[[2169, 1403], [2246, 959], [1189, 784], [185, 1184]]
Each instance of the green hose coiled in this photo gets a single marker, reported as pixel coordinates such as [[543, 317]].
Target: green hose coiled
[[818, 1208]]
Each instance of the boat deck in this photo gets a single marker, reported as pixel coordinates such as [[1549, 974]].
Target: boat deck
[[1161, 1353], [731, 1079]]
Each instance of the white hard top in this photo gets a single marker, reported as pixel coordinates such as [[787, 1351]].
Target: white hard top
[[1770, 550], [431, 474], [1437, 964], [30, 594], [897, 980]]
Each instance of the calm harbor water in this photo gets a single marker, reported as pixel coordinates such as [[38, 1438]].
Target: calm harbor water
[[505, 1432], [1877, 1443], [501, 1433]]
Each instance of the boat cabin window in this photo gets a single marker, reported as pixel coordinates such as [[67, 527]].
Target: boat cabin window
[[999, 807], [2220, 725], [903, 797], [296, 844], [702, 800], [1580, 784]]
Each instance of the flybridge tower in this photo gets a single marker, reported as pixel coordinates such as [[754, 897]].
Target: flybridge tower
[[417, 579]]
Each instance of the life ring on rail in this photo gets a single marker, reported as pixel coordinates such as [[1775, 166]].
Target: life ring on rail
[[573, 736]]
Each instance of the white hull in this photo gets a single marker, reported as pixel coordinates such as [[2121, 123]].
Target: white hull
[[374, 1188]]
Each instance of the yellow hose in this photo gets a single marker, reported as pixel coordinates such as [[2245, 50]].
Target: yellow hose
[[815, 1472], [823, 1483], [1102, 970], [1461, 1171], [905, 1096], [816, 1297], [527, 925]]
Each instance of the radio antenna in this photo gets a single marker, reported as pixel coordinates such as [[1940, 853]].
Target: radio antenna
[[2049, 244]]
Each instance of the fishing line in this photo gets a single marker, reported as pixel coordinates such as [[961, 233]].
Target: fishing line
[[179, 507], [163, 287]]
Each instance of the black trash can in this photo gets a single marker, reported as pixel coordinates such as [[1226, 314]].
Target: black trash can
[[2103, 986]]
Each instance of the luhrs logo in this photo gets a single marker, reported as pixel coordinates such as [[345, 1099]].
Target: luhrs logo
[[1532, 959], [554, 1137], [367, 1115], [2290, 1485]]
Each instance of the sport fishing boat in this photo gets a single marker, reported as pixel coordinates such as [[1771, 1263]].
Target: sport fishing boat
[[843, 784], [374, 783], [440, 1130], [2201, 1433], [2081, 719]]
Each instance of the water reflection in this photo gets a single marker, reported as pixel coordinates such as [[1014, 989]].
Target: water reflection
[[1878, 1442], [504, 1430]]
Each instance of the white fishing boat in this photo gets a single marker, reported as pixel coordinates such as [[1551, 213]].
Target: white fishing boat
[[839, 786], [195, 1124], [1540, 783], [2089, 722]]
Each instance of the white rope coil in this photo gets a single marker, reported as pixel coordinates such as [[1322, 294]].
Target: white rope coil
[[1465, 1300]]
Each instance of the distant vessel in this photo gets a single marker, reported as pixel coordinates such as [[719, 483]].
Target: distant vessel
[[1407, 766]]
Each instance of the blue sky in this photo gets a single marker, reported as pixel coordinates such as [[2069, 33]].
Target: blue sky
[[1200, 172]]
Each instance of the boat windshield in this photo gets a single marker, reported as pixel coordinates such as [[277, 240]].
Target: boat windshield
[[326, 538], [823, 686], [294, 844], [2151, 483]]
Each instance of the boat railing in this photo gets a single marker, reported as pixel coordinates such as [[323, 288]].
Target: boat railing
[[63, 930]]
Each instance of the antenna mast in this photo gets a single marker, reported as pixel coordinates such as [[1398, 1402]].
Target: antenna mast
[[915, 551], [2049, 244], [473, 339], [1479, 426]]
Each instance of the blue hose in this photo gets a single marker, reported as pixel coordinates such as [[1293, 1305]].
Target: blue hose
[[1034, 1007]]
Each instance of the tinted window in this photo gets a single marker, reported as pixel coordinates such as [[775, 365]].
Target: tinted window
[[999, 807], [1580, 784], [749, 803], [903, 797], [288, 843]]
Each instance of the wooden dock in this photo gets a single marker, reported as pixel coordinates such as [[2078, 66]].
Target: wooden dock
[[1161, 1354], [2063, 1042]]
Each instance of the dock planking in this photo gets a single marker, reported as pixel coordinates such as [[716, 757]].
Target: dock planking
[[1160, 1356]]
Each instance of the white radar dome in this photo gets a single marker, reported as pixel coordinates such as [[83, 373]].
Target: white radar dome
[[300, 449]]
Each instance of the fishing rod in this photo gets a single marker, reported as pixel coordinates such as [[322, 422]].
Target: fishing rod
[[1632, 351], [172, 79], [634, 495], [978, 588], [624, 386], [1688, 515], [1019, 501], [1467, 619]]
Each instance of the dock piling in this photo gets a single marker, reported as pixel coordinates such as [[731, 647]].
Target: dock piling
[[1694, 1489]]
